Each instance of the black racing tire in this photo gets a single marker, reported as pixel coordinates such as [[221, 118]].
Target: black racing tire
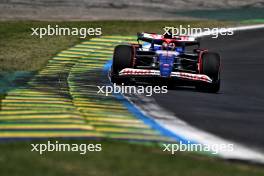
[[211, 68], [123, 58]]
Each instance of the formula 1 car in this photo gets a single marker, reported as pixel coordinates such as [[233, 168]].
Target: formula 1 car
[[165, 58]]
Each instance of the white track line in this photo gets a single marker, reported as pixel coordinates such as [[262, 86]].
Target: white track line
[[250, 27], [150, 108], [239, 28]]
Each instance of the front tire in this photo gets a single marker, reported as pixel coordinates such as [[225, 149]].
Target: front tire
[[123, 58], [211, 68]]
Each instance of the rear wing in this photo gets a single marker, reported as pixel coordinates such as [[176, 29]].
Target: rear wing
[[159, 39]]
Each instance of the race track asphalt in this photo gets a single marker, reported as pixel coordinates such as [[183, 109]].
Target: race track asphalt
[[237, 111]]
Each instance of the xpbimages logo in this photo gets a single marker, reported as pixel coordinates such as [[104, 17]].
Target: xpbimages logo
[[195, 147], [60, 147], [65, 31], [192, 31], [116, 89]]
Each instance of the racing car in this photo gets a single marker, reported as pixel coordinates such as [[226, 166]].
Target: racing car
[[166, 59]]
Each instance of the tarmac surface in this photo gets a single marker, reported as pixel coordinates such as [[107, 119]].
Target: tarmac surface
[[237, 111]]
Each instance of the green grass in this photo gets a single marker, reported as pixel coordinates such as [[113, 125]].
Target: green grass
[[116, 158], [19, 51]]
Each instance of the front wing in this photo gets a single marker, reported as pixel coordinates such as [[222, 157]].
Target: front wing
[[152, 73]]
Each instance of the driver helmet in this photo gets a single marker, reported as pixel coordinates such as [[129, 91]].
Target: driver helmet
[[168, 46]]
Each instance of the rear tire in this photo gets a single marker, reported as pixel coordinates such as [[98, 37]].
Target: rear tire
[[123, 58], [211, 68]]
